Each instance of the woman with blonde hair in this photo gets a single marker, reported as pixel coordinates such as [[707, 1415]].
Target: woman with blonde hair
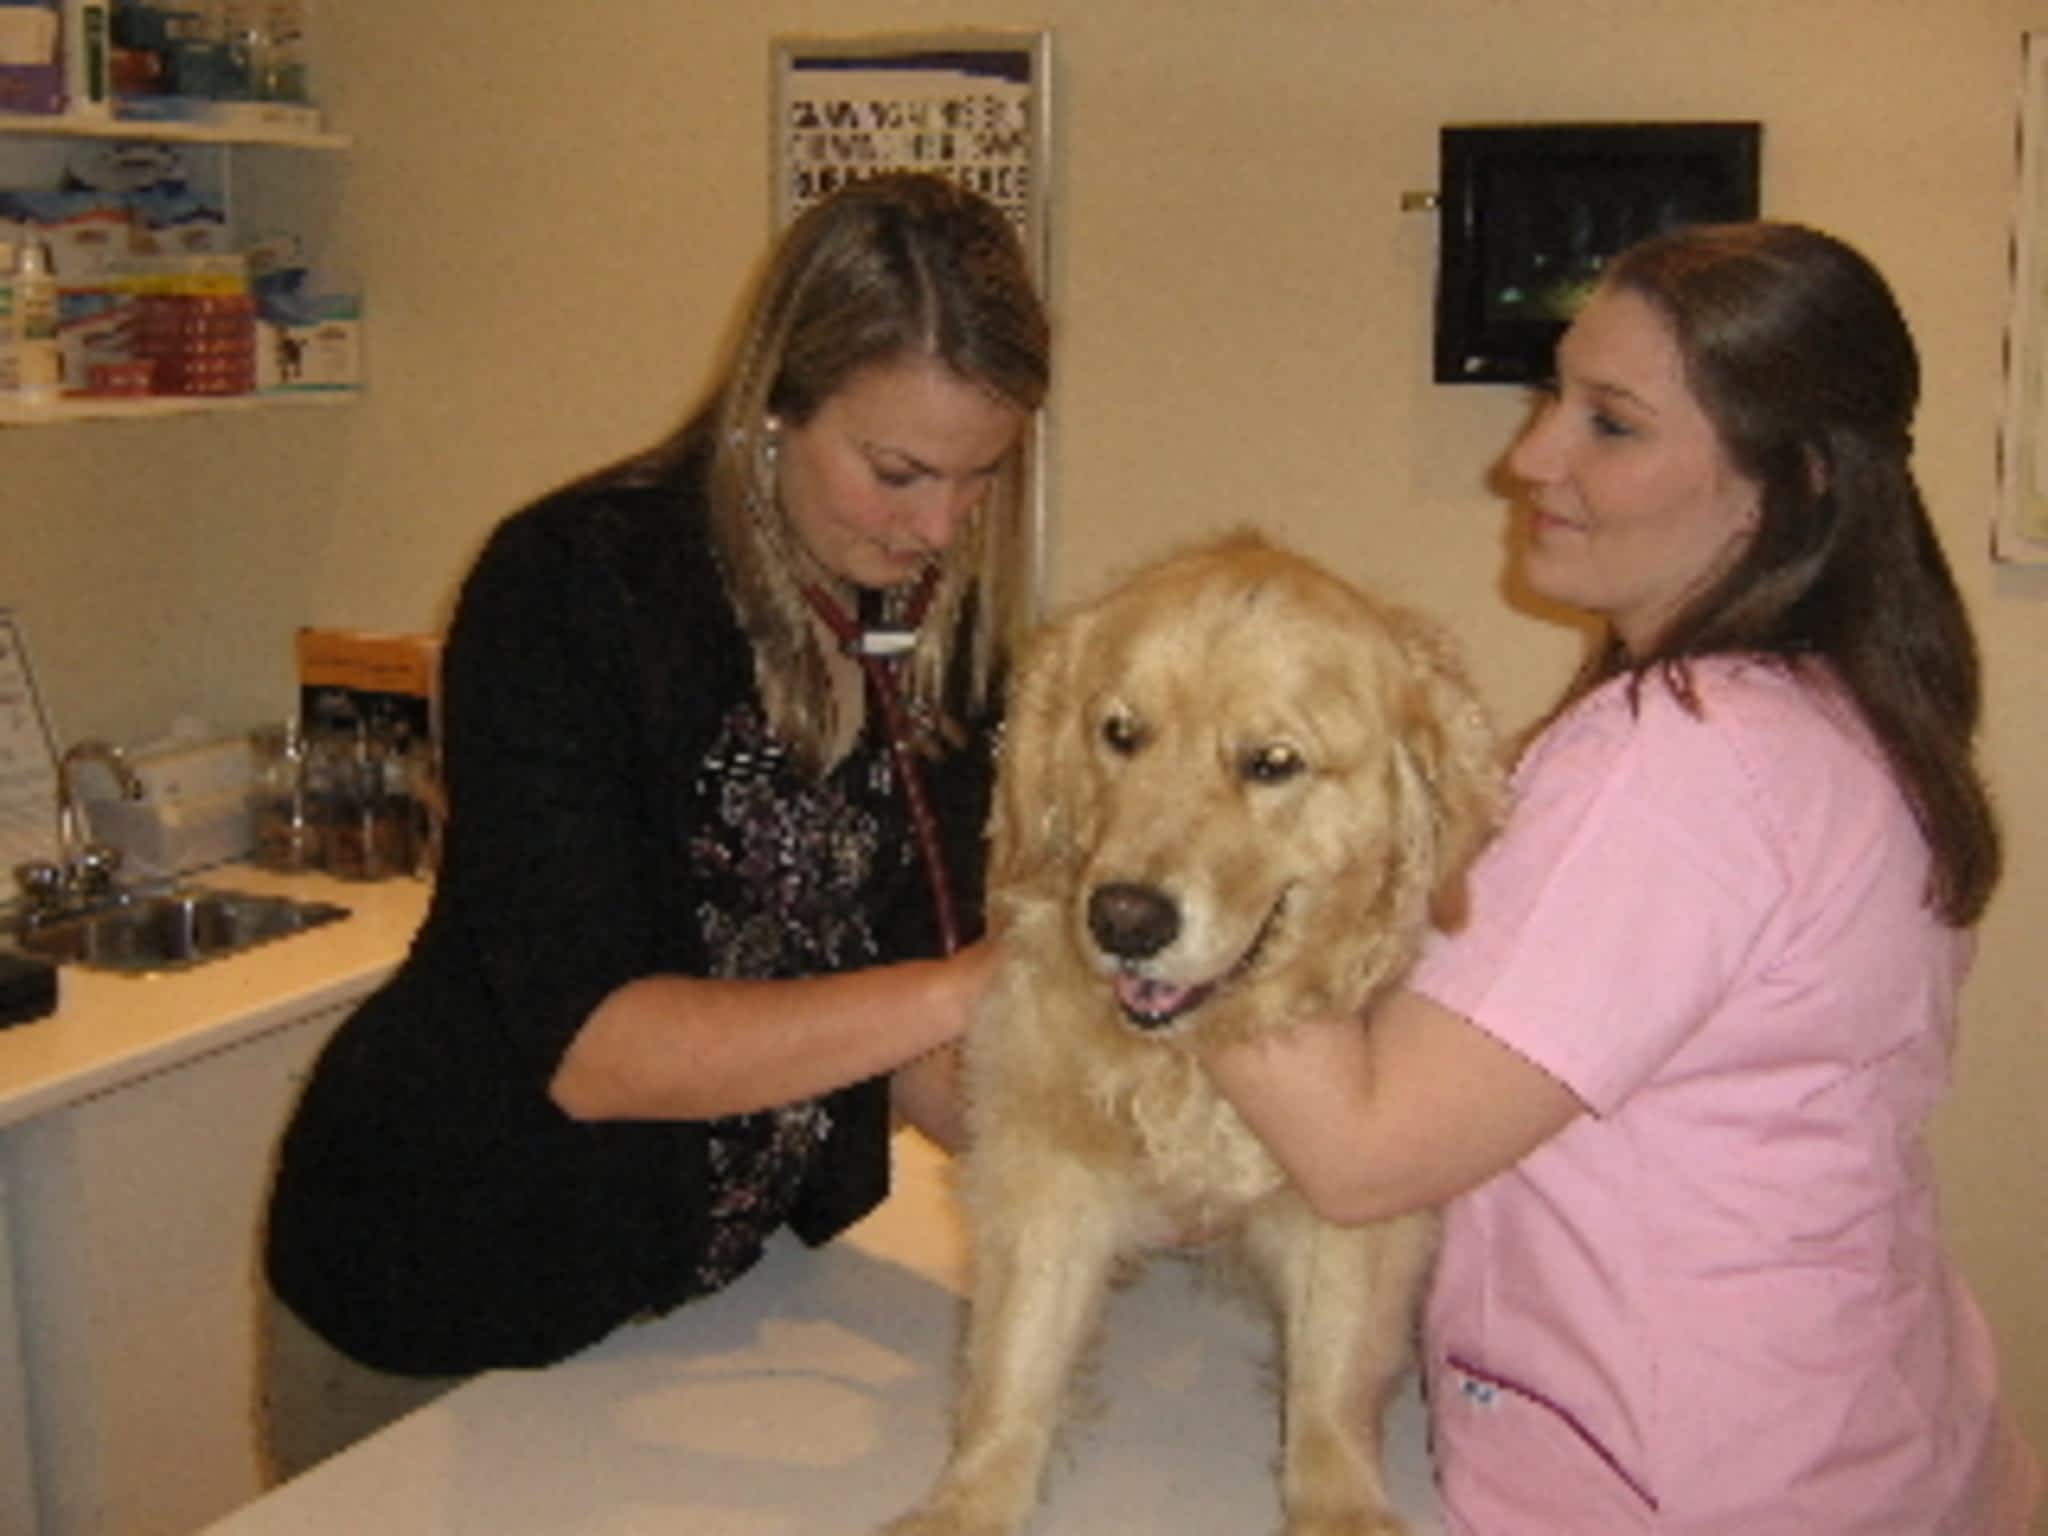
[[717, 738]]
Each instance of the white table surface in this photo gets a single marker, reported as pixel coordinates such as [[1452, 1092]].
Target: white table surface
[[811, 1399]]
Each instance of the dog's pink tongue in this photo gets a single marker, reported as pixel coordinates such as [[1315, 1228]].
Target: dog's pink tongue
[[1147, 996]]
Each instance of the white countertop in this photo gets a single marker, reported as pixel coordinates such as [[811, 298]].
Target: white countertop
[[811, 1399], [110, 1028]]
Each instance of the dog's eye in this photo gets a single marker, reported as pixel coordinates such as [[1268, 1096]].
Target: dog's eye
[[1271, 763], [1122, 734]]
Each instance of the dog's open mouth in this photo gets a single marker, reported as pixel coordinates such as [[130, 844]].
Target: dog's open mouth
[[1152, 1004]]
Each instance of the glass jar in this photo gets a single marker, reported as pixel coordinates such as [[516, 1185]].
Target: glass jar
[[361, 801], [286, 835]]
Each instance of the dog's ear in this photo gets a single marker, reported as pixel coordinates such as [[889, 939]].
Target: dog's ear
[[1043, 788], [1447, 769], [1440, 790]]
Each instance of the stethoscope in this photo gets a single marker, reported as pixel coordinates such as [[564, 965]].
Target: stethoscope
[[881, 653]]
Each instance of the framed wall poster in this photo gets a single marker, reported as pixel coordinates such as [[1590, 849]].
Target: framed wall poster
[[973, 105], [2020, 534]]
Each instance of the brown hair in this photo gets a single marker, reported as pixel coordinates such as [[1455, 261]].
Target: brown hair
[[1798, 353]]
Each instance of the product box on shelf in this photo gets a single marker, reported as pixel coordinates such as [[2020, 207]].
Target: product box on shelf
[[319, 346], [305, 339], [96, 340], [362, 675], [194, 324], [168, 221], [31, 62], [86, 233]]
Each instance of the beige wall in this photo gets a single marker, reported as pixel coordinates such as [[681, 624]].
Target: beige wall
[[551, 207]]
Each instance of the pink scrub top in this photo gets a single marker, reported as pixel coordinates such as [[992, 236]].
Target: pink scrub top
[[1717, 1303]]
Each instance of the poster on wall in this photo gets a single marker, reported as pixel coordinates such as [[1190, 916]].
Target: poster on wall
[[973, 106], [2021, 533], [968, 105]]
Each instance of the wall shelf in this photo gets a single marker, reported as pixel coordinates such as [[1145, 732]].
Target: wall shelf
[[255, 130], [76, 408]]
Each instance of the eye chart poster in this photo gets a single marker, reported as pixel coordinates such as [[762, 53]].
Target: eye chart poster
[[967, 105]]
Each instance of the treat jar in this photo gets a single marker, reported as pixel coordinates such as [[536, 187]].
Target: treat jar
[[286, 836], [360, 801]]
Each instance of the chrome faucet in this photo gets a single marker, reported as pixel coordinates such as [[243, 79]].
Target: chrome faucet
[[84, 868], [82, 874]]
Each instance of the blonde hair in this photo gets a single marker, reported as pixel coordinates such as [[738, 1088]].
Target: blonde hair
[[888, 268]]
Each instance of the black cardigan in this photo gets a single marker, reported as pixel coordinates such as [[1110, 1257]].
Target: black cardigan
[[433, 1212]]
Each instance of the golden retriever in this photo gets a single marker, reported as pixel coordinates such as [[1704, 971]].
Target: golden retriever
[[1229, 791]]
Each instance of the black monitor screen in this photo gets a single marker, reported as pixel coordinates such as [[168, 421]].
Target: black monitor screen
[[1531, 214]]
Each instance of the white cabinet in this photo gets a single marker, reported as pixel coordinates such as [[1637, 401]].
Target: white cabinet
[[17, 1477], [136, 1216]]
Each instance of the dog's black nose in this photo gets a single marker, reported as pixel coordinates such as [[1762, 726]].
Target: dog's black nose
[[1132, 921]]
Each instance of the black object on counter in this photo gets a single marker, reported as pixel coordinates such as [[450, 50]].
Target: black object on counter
[[28, 989]]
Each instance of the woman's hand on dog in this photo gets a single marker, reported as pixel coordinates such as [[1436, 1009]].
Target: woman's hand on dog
[[927, 1091]]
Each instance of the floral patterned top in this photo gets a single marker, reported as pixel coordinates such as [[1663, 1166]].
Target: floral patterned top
[[780, 864]]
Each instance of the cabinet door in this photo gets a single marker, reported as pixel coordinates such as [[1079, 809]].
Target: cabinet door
[[17, 1485], [136, 1221]]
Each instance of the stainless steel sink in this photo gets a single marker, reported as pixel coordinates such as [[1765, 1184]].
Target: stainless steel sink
[[171, 931]]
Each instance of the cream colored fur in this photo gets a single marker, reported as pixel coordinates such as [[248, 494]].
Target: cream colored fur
[[1284, 774]]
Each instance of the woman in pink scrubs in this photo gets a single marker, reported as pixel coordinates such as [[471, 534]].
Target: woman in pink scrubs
[[1674, 1071]]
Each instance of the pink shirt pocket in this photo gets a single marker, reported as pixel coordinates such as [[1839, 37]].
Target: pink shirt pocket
[[1511, 1459]]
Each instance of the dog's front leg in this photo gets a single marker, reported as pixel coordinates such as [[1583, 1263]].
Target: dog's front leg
[[1044, 1243], [1346, 1301]]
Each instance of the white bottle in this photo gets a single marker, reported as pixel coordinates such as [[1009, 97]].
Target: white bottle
[[88, 59], [39, 358]]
